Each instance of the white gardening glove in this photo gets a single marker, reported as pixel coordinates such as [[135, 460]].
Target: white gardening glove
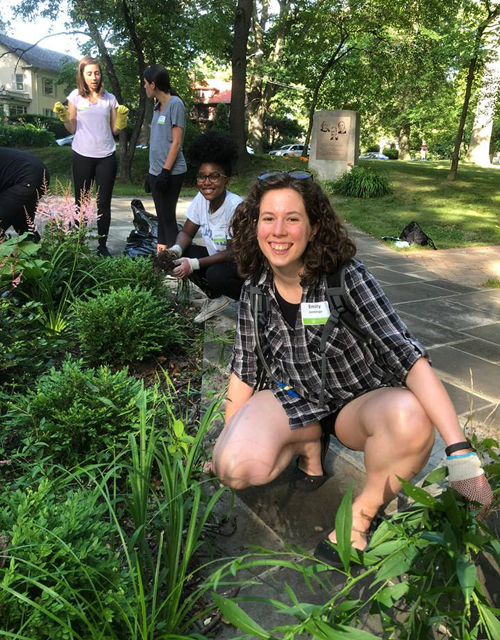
[[466, 476], [186, 266], [176, 249]]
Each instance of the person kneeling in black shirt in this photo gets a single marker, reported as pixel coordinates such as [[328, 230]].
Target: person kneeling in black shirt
[[23, 179]]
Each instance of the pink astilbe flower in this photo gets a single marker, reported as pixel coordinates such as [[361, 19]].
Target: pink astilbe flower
[[60, 211]]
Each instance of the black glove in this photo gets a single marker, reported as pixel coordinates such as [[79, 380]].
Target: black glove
[[147, 184], [163, 181]]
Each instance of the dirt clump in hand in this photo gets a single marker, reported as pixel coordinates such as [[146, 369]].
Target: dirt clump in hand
[[164, 261]]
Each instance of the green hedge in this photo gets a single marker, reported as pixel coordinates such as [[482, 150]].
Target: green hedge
[[25, 135], [392, 154], [41, 122]]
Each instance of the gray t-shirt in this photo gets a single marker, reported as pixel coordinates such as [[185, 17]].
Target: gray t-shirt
[[174, 114]]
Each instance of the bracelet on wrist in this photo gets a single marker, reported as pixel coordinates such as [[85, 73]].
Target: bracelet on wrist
[[458, 446]]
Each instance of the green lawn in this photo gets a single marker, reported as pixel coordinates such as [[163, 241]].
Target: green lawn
[[453, 214]]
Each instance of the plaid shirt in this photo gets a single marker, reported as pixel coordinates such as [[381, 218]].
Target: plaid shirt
[[294, 355]]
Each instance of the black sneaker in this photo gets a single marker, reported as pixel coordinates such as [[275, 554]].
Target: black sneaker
[[103, 251]]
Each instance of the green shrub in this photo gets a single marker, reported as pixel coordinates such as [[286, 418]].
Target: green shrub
[[60, 572], [26, 351], [373, 148], [25, 135], [120, 271], [71, 414], [42, 122], [126, 325], [361, 183], [392, 154]]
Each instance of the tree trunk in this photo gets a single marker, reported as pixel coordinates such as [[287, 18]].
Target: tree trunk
[[479, 147], [260, 91], [404, 142], [455, 156], [239, 73], [491, 18], [334, 59]]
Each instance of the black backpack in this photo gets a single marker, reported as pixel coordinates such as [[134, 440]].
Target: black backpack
[[339, 313], [413, 234]]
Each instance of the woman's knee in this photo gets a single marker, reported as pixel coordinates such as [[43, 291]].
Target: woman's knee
[[236, 470], [408, 423]]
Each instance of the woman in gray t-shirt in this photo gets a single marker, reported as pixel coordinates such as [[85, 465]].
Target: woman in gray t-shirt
[[167, 166]]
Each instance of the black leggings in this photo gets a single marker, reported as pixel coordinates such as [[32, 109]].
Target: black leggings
[[102, 173], [165, 205], [219, 279], [18, 202]]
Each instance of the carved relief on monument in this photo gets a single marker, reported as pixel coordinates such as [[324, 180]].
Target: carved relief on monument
[[333, 136]]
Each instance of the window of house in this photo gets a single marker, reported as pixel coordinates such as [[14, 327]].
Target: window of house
[[17, 110], [48, 86], [19, 81], [49, 113]]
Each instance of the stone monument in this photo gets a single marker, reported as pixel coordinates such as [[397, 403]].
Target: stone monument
[[334, 143]]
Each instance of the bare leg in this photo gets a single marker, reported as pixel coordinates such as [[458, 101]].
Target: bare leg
[[258, 444], [392, 428]]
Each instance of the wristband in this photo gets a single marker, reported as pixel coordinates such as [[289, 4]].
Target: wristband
[[176, 249], [195, 263], [465, 444]]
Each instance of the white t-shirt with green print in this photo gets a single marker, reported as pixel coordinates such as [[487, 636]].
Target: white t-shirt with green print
[[214, 227]]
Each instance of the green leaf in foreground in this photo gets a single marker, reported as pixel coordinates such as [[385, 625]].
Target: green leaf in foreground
[[236, 616], [466, 571], [343, 528]]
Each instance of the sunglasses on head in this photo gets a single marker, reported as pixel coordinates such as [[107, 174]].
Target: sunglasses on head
[[296, 175]]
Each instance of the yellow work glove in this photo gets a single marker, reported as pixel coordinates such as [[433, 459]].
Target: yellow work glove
[[121, 116], [61, 111]]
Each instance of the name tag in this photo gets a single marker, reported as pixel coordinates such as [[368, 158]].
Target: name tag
[[161, 120], [82, 107], [314, 312]]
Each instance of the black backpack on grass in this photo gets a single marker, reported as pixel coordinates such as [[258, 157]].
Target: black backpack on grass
[[414, 234]]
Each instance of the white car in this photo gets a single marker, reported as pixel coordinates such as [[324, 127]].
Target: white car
[[373, 155], [290, 150]]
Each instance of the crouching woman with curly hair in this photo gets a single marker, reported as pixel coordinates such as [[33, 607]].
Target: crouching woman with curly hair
[[379, 395]]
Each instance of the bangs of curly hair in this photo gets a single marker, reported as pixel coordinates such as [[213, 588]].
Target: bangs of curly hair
[[328, 248], [215, 148]]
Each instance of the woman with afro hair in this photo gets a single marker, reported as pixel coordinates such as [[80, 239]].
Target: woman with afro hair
[[299, 376], [211, 267]]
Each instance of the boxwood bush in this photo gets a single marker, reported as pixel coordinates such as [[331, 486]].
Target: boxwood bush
[[392, 154], [125, 325], [71, 414], [120, 271]]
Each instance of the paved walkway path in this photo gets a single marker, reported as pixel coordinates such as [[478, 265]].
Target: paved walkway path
[[472, 266]]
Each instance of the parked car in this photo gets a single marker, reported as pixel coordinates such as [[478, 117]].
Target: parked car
[[373, 155], [64, 141], [290, 150]]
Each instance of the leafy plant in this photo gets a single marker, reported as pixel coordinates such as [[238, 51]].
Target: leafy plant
[[25, 135], [59, 577], [126, 325], [112, 274], [421, 574], [392, 154], [360, 183], [25, 351], [72, 414]]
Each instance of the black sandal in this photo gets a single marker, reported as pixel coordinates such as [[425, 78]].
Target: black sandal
[[307, 483], [327, 553]]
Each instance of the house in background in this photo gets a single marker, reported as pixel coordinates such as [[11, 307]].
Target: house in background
[[209, 94], [28, 78]]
